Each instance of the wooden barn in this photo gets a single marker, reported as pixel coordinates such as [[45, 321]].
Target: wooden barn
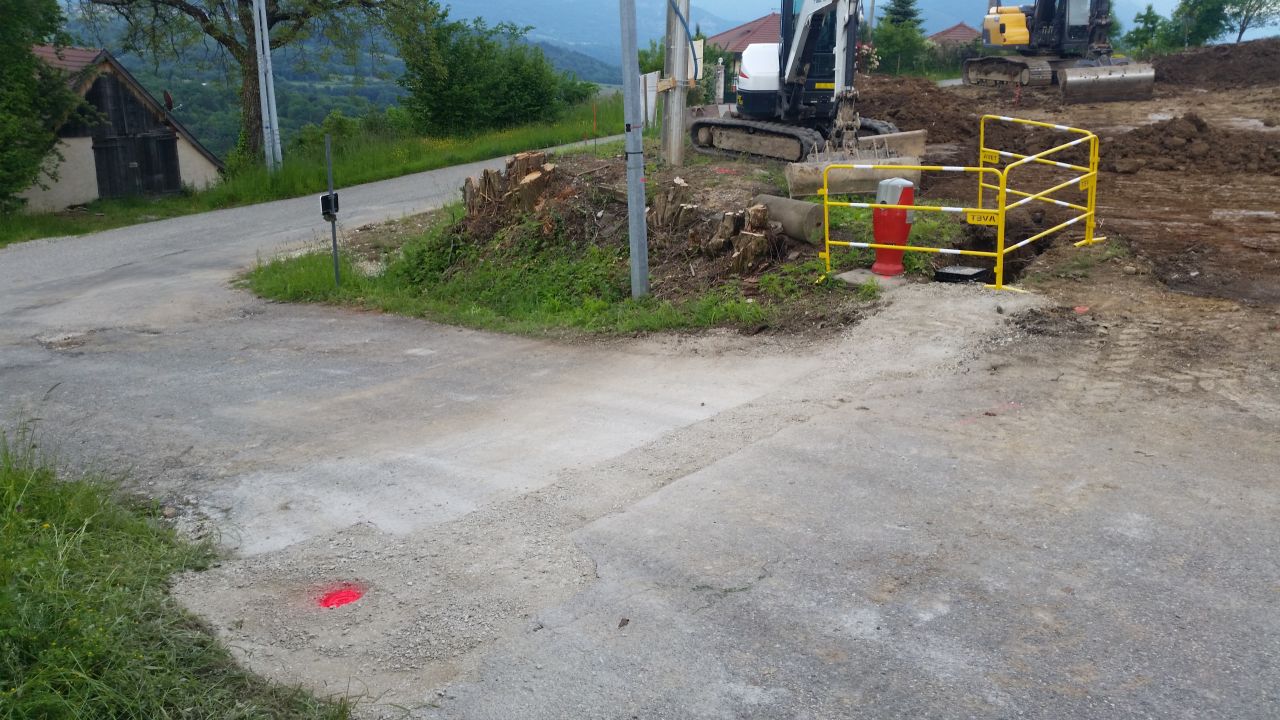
[[138, 148]]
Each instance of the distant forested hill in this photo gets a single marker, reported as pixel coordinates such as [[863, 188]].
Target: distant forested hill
[[311, 82], [584, 66]]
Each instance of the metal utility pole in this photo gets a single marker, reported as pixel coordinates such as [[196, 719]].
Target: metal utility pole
[[266, 87], [634, 127], [871, 20], [332, 207], [673, 129]]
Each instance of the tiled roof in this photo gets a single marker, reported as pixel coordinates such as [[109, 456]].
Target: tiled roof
[[767, 29], [69, 59], [958, 34]]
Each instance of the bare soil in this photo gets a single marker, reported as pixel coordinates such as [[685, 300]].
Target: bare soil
[[1190, 178], [1188, 187], [918, 104], [1223, 66]]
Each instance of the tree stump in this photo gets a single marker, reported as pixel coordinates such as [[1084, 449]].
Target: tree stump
[[471, 197], [758, 218], [672, 209], [522, 164], [527, 193], [749, 249], [730, 225]]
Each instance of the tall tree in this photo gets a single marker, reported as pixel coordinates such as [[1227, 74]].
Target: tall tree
[[467, 76], [1245, 14], [902, 12], [1145, 26], [1196, 22], [168, 28], [901, 46], [35, 99]]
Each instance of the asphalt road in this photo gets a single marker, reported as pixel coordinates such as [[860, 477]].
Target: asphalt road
[[932, 514]]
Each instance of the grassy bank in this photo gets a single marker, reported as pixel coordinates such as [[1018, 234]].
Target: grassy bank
[[358, 160], [87, 629], [519, 282], [542, 276]]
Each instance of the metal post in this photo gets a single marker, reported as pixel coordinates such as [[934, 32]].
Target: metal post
[[719, 81], [634, 127], [673, 124], [333, 222], [269, 72], [259, 30]]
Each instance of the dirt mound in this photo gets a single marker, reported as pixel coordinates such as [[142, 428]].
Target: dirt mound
[[701, 236], [1223, 66], [1190, 143], [918, 104]]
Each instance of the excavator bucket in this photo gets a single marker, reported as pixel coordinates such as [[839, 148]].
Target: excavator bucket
[[906, 148], [1107, 83]]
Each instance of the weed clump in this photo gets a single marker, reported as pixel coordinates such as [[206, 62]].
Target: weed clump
[[87, 628]]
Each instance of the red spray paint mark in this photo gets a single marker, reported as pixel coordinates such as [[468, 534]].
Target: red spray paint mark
[[342, 596]]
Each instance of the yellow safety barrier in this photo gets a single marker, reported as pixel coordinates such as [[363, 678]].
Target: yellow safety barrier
[[1086, 182], [989, 177]]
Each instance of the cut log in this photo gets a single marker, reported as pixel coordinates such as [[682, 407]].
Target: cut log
[[800, 220], [805, 178]]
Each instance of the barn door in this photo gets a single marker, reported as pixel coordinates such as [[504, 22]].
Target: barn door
[[117, 167], [146, 164], [158, 163]]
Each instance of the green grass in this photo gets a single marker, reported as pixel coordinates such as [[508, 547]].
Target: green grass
[[522, 281], [929, 229], [358, 160], [869, 290], [87, 628]]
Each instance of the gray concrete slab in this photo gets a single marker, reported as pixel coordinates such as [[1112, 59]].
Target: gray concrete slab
[[861, 276]]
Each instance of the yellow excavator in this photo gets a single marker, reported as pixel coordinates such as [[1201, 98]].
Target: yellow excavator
[[1064, 43]]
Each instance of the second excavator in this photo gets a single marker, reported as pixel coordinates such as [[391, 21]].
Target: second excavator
[[1062, 42]]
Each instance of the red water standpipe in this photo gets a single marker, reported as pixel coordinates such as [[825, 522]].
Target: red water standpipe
[[892, 227]]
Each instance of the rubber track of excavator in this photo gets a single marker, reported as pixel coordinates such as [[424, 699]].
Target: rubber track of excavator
[[808, 139]]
